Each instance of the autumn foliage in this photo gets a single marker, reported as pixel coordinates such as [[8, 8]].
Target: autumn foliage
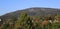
[[25, 21]]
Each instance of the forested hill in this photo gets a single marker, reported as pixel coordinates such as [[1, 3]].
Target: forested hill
[[35, 11]]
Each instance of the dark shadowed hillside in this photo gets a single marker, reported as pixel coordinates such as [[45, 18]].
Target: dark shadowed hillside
[[35, 11]]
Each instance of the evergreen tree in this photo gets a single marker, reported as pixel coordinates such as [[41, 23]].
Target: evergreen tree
[[20, 20]]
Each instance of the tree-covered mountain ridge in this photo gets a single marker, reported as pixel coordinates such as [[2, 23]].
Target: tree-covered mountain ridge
[[34, 11]]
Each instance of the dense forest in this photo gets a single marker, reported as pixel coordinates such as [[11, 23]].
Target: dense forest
[[25, 21], [31, 18]]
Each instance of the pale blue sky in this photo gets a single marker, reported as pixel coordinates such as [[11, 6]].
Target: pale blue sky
[[7, 6]]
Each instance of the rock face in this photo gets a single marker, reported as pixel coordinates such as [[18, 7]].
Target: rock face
[[35, 11]]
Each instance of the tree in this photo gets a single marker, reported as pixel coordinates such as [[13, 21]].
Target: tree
[[20, 20], [23, 22]]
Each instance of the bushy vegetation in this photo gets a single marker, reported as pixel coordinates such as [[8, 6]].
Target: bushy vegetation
[[25, 21]]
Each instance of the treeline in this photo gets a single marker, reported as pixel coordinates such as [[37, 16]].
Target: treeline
[[25, 21]]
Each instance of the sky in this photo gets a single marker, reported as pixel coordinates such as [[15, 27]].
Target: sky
[[7, 6]]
